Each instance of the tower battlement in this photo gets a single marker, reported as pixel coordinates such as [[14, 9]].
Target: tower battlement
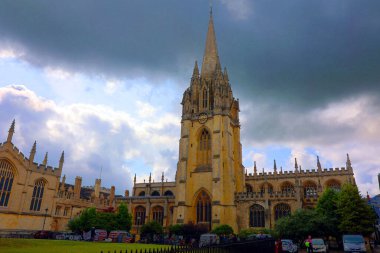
[[300, 173]]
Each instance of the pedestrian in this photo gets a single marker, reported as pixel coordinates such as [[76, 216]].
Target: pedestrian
[[278, 246], [309, 244]]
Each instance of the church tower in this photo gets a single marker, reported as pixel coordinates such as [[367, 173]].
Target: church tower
[[209, 170]]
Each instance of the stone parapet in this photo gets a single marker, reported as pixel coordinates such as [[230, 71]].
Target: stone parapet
[[243, 196], [40, 168]]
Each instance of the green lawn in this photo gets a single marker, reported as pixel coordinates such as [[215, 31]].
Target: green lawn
[[57, 246]]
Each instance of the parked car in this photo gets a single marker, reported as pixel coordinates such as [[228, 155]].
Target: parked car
[[353, 243], [319, 245], [208, 240], [289, 246], [251, 237], [263, 236]]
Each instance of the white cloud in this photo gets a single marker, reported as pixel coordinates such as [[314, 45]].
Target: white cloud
[[112, 86], [346, 126], [93, 136]]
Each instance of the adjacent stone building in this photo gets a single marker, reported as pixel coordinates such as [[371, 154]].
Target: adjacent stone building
[[34, 197], [211, 185]]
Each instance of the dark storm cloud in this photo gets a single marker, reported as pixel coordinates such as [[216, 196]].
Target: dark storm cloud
[[302, 53]]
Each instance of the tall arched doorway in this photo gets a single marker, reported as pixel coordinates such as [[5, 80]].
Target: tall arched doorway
[[203, 208]]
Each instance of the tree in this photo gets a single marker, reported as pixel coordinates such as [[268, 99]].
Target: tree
[[151, 228], [90, 218], [327, 206], [300, 224], [105, 221], [223, 230], [355, 215], [176, 229], [123, 218]]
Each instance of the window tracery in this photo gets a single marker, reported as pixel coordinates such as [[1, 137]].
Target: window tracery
[[38, 193], [6, 182]]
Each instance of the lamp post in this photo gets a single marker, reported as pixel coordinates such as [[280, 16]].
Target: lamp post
[[43, 226]]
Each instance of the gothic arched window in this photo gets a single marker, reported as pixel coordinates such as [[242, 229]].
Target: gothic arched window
[[287, 188], [310, 190], [281, 210], [158, 214], [155, 193], [256, 216], [333, 184], [38, 193], [203, 208], [269, 187], [204, 150], [168, 193], [6, 182], [140, 215]]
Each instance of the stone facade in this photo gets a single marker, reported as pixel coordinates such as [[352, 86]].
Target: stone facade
[[211, 185], [33, 196]]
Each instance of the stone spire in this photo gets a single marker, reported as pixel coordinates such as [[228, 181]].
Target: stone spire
[[348, 162], [295, 164], [44, 162], [150, 177], [319, 167], [255, 169], [196, 70], [274, 166], [11, 131], [63, 180], [210, 57], [61, 160], [134, 179], [33, 152], [162, 177], [225, 74]]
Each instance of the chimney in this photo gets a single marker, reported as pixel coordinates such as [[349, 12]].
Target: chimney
[[77, 187], [97, 187], [112, 194]]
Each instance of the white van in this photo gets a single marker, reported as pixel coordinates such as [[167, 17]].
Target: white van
[[208, 240], [353, 243]]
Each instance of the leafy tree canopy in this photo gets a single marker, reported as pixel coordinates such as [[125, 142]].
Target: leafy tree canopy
[[90, 218], [151, 228], [300, 224], [355, 215], [223, 230]]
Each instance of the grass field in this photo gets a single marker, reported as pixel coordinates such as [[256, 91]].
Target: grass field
[[57, 246]]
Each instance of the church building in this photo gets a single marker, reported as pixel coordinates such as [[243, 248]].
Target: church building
[[211, 185]]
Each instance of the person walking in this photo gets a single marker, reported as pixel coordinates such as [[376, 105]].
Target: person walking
[[278, 246], [309, 244]]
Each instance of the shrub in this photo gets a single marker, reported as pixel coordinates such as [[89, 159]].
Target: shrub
[[223, 230]]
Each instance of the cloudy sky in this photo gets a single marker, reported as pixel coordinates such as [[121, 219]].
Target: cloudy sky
[[104, 80]]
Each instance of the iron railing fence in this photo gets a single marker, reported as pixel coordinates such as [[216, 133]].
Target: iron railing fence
[[254, 246]]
